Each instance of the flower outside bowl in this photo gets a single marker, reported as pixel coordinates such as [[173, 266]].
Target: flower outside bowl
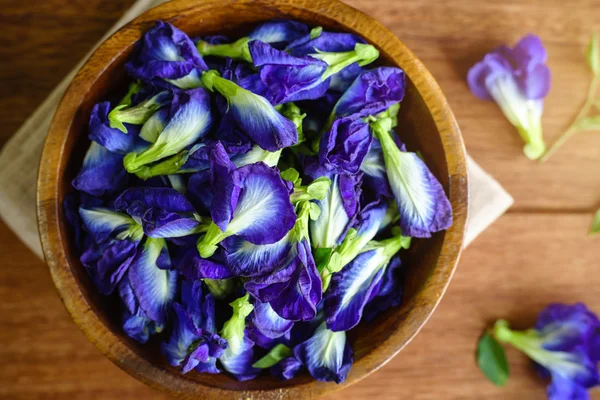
[[425, 124]]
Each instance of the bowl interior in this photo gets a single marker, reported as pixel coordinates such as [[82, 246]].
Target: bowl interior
[[429, 263]]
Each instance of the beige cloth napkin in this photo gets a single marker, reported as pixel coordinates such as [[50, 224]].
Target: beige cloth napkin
[[20, 158]]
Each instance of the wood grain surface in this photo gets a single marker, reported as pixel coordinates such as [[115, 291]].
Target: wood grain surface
[[536, 254]]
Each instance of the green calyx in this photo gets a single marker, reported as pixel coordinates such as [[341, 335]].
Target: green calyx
[[528, 341], [363, 54], [303, 213], [237, 50], [294, 114], [220, 288], [233, 329], [207, 245], [136, 115], [276, 354], [171, 165], [134, 88], [317, 190]]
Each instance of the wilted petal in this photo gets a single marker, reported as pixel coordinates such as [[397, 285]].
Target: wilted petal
[[102, 172], [372, 92], [154, 287], [344, 147], [165, 54], [288, 78], [327, 355], [107, 262], [286, 368]]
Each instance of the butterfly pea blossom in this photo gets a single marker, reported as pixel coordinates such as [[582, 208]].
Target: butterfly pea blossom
[[252, 202], [193, 343], [265, 322], [253, 114], [422, 202], [166, 56], [370, 220], [565, 346], [345, 145], [277, 33], [294, 289], [358, 282], [238, 357], [518, 80], [326, 354], [189, 119], [102, 172]]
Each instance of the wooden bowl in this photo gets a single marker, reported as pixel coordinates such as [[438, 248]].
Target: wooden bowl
[[425, 123]]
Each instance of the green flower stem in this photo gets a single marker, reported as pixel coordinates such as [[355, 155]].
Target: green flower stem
[[363, 54], [237, 50], [207, 245], [172, 165], [526, 341], [300, 229], [317, 190], [573, 128]]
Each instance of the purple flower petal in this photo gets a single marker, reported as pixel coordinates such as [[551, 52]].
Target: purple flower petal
[[153, 287], [247, 259], [372, 92], [327, 355], [389, 293], [108, 262], [138, 201], [325, 42], [165, 52], [110, 138], [344, 147], [102, 172], [240, 365], [286, 368], [136, 323], [278, 32], [268, 322], [194, 267]]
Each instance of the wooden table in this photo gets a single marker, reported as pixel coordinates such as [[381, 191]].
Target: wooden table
[[535, 254]]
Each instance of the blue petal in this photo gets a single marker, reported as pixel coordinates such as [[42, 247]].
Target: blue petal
[[108, 262], [344, 147], [266, 320], [389, 293], [565, 389], [194, 267], [279, 31], [327, 355], [325, 42], [240, 365], [341, 81], [136, 323], [262, 212], [372, 92], [337, 211], [139, 201], [172, 227], [350, 290], [177, 347], [102, 172], [199, 192], [286, 368], [247, 259], [287, 78], [102, 222], [110, 138], [422, 202], [165, 52], [154, 287], [294, 291]]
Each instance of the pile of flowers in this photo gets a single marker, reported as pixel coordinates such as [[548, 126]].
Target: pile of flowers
[[248, 201]]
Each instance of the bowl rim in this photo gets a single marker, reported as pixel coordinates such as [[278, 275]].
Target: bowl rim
[[49, 207]]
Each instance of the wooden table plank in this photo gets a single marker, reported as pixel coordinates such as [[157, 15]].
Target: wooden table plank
[[534, 255]]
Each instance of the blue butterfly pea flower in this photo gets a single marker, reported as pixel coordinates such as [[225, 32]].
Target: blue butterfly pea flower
[[294, 289], [189, 119], [111, 138], [238, 357], [517, 79], [102, 172], [422, 202], [372, 92], [358, 282], [389, 292], [345, 145], [565, 344], [326, 354], [287, 368], [251, 202], [253, 115], [166, 56], [135, 322], [193, 343]]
